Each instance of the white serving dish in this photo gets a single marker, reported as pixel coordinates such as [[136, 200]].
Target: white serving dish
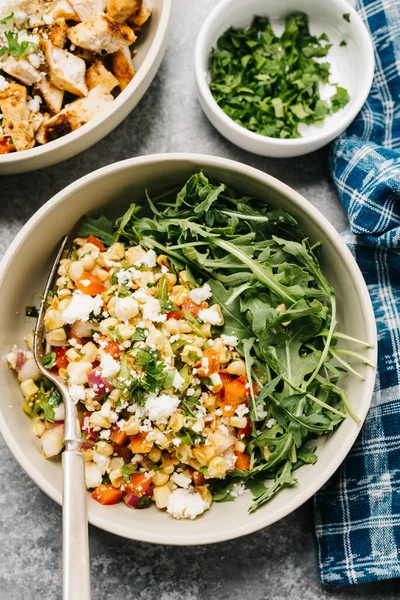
[[23, 272], [352, 67]]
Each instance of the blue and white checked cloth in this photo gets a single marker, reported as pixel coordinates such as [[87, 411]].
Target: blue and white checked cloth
[[358, 512]]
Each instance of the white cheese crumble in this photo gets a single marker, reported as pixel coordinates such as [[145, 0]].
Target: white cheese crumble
[[147, 260], [199, 295], [270, 423], [126, 308], [152, 311], [109, 366], [3, 83], [104, 434], [230, 340], [210, 315], [141, 295], [34, 104], [178, 381], [77, 393], [242, 410], [159, 408], [181, 480], [184, 505], [80, 307], [93, 475]]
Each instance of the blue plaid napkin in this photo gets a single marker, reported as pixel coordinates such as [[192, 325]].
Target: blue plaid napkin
[[358, 512]]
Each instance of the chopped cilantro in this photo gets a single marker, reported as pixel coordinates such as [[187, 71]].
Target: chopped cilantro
[[343, 43], [4, 21], [49, 360], [127, 470], [346, 17], [140, 334], [144, 502]]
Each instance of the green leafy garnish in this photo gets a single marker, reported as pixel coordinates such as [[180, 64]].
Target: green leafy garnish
[[101, 228], [270, 84], [6, 19], [346, 17], [127, 470], [14, 48], [49, 360]]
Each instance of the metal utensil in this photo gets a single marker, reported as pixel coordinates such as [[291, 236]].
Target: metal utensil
[[76, 566]]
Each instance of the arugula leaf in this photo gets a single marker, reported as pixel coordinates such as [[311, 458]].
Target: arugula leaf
[[101, 228], [49, 360], [346, 17]]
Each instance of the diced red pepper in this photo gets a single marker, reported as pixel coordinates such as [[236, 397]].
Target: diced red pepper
[[174, 314], [118, 436], [61, 360], [242, 461], [92, 239], [89, 284], [235, 393], [6, 145], [139, 444], [194, 308], [212, 363], [105, 493], [113, 348], [139, 484]]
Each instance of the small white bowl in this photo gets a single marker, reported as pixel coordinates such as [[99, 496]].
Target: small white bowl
[[150, 49], [109, 190], [352, 67]]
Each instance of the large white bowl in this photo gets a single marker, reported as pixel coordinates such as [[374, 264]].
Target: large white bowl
[[352, 67], [109, 190], [150, 47]]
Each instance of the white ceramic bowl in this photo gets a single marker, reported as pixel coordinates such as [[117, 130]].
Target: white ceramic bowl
[[352, 67], [109, 190], [150, 47]]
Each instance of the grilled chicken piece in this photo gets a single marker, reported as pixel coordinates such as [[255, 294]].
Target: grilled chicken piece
[[87, 9], [76, 114], [58, 32], [16, 116], [20, 69], [101, 35], [122, 67], [121, 10], [98, 75], [64, 10], [52, 95], [67, 71], [140, 18]]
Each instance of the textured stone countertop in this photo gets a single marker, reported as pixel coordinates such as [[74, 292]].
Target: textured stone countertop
[[278, 563]]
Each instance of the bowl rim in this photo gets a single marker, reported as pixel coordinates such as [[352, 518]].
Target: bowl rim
[[261, 520], [116, 104], [327, 133]]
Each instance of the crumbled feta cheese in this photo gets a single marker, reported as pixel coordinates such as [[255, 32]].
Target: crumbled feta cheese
[[85, 282], [190, 391], [242, 410], [199, 295], [3, 83], [147, 260], [159, 408], [106, 409], [178, 381], [210, 315], [198, 427], [47, 19], [181, 480], [77, 393], [164, 269], [141, 295], [230, 340], [34, 104], [126, 308], [80, 307], [182, 504], [152, 311], [238, 490], [174, 338], [177, 441], [109, 366], [270, 423], [101, 461], [35, 60], [93, 475], [59, 412], [104, 434]]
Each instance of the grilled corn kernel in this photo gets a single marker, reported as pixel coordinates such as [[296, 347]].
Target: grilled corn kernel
[[78, 372], [184, 326], [191, 355], [155, 454], [266, 453], [177, 421], [132, 426], [115, 395], [167, 464], [237, 367], [38, 428], [104, 448], [28, 388], [157, 338], [206, 329], [88, 262], [88, 248], [102, 274], [170, 327], [203, 454], [160, 438], [179, 294], [116, 463], [134, 254], [89, 352], [183, 277], [115, 252], [72, 355], [208, 400], [63, 304], [116, 477], [240, 446], [76, 270], [108, 325], [98, 420], [53, 320], [124, 331], [57, 335], [160, 478], [87, 454], [64, 293], [238, 422], [29, 340], [161, 495], [205, 494], [216, 384], [217, 467]]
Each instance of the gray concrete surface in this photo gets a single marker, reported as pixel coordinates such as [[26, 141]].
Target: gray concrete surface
[[278, 563]]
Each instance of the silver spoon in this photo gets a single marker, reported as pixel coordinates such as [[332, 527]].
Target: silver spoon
[[76, 565]]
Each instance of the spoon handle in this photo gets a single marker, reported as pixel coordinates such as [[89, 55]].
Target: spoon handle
[[76, 565]]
